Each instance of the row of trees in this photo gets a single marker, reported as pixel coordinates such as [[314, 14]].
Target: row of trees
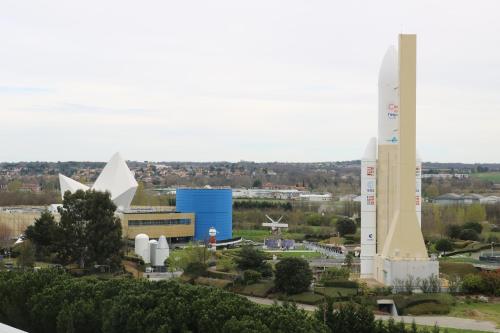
[[50, 301], [436, 218], [88, 232]]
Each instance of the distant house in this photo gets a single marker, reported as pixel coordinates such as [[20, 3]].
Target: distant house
[[489, 200], [348, 197], [35, 188], [462, 199]]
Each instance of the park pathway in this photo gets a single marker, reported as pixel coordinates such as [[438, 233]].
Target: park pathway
[[441, 321]]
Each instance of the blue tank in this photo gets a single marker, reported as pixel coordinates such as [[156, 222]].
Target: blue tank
[[212, 208]]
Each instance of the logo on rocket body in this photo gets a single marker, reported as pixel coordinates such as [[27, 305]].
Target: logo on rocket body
[[392, 111]]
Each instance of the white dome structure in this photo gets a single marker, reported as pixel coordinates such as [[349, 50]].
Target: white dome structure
[[153, 245], [141, 247], [116, 178], [162, 251]]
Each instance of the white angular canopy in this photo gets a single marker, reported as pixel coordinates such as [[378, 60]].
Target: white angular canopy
[[68, 184], [116, 178]]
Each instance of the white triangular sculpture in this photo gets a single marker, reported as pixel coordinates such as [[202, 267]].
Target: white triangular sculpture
[[68, 184], [116, 178]]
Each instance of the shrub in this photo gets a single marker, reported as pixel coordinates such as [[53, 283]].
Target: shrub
[[218, 283], [334, 273], [250, 276], [473, 283], [225, 264], [476, 226], [342, 284], [444, 245], [491, 282], [454, 283], [427, 308], [252, 258], [196, 269], [293, 275], [469, 234], [346, 226], [453, 231]]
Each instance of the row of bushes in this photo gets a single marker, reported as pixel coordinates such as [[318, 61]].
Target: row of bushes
[[474, 247], [484, 283], [420, 304]]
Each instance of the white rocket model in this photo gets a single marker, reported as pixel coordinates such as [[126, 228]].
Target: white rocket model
[[379, 167]]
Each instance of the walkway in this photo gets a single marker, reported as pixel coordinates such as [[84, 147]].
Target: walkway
[[441, 321]]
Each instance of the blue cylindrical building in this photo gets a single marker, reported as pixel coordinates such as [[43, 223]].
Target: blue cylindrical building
[[212, 208]]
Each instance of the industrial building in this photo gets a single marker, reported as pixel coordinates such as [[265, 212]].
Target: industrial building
[[178, 227], [212, 207]]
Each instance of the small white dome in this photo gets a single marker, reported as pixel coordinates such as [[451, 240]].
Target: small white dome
[[162, 242]]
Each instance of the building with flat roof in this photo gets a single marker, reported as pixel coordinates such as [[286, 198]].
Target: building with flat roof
[[155, 223]]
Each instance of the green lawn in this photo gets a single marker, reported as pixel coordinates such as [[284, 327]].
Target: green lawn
[[480, 311], [295, 254], [258, 235], [261, 289], [335, 291], [463, 258], [456, 268], [305, 297], [449, 330], [488, 176], [252, 234]]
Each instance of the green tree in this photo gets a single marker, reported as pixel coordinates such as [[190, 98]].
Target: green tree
[[476, 226], [293, 275], [26, 256], [257, 183], [43, 234], [14, 185], [347, 318], [246, 324], [250, 276], [469, 234], [196, 269], [349, 258], [475, 213], [251, 258], [453, 231], [90, 232], [346, 226], [431, 191], [444, 244]]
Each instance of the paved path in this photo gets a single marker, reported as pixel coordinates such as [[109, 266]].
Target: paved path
[[441, 321]]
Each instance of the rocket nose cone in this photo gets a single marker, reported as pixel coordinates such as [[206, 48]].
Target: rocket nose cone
[[370, 153], [388, 74]]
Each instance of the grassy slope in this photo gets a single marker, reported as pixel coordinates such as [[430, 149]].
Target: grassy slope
[[456, 268], [480, 311]]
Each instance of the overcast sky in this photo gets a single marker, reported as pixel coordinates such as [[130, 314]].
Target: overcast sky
[[231, 80]]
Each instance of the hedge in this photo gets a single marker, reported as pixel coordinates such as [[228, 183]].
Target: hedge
[[341, 284], [427, 309]]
